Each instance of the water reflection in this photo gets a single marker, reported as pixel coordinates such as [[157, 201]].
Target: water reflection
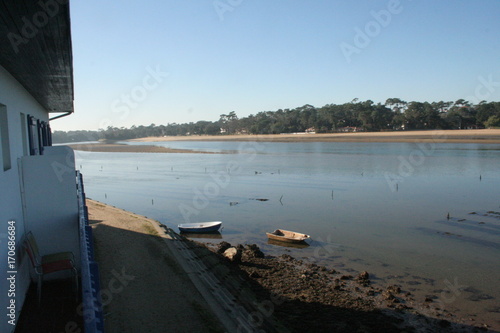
[[199, 236], [285, 244], [338, 193]]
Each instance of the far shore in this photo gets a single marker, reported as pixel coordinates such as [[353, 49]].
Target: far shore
[[489, 136], [486, 136]]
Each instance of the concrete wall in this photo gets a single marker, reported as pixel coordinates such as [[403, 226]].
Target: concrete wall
[[51, 204], [56, 214]]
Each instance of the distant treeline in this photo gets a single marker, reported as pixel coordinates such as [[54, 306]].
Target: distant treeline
[[395, 114]]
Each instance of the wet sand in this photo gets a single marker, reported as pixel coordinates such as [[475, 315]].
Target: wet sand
[[444, 136]]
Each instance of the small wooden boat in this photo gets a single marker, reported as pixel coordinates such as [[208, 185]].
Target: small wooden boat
[[200, 227], [287, 236]]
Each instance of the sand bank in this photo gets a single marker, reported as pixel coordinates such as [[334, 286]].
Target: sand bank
[[123, 148], [447, 136]]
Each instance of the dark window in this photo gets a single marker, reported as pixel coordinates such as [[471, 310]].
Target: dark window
[[4, 138], [24, 134], [39, 132], [31, 135], [49, 136], [39, 135]]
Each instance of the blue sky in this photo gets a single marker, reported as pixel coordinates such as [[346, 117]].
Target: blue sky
[[164, 61]]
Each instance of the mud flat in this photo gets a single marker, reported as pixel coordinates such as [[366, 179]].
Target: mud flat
[[308, 297]]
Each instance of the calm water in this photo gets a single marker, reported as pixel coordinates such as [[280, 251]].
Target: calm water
[[380, 207]]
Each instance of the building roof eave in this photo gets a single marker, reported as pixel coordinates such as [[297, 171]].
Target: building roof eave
[[35, 48]]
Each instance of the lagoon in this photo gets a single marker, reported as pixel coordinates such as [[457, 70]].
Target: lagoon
[[380, 207]]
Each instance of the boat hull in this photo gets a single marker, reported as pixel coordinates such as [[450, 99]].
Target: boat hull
[[297, 245], [202, 227], [287, 236]]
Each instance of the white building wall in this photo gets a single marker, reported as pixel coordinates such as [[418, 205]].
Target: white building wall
[[16, 101], [49, 195]]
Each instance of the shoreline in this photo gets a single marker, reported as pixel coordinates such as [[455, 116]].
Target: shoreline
[[297, 293], [486, 136]]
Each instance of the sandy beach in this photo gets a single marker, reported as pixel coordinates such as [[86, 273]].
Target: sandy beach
[[450, 136]]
